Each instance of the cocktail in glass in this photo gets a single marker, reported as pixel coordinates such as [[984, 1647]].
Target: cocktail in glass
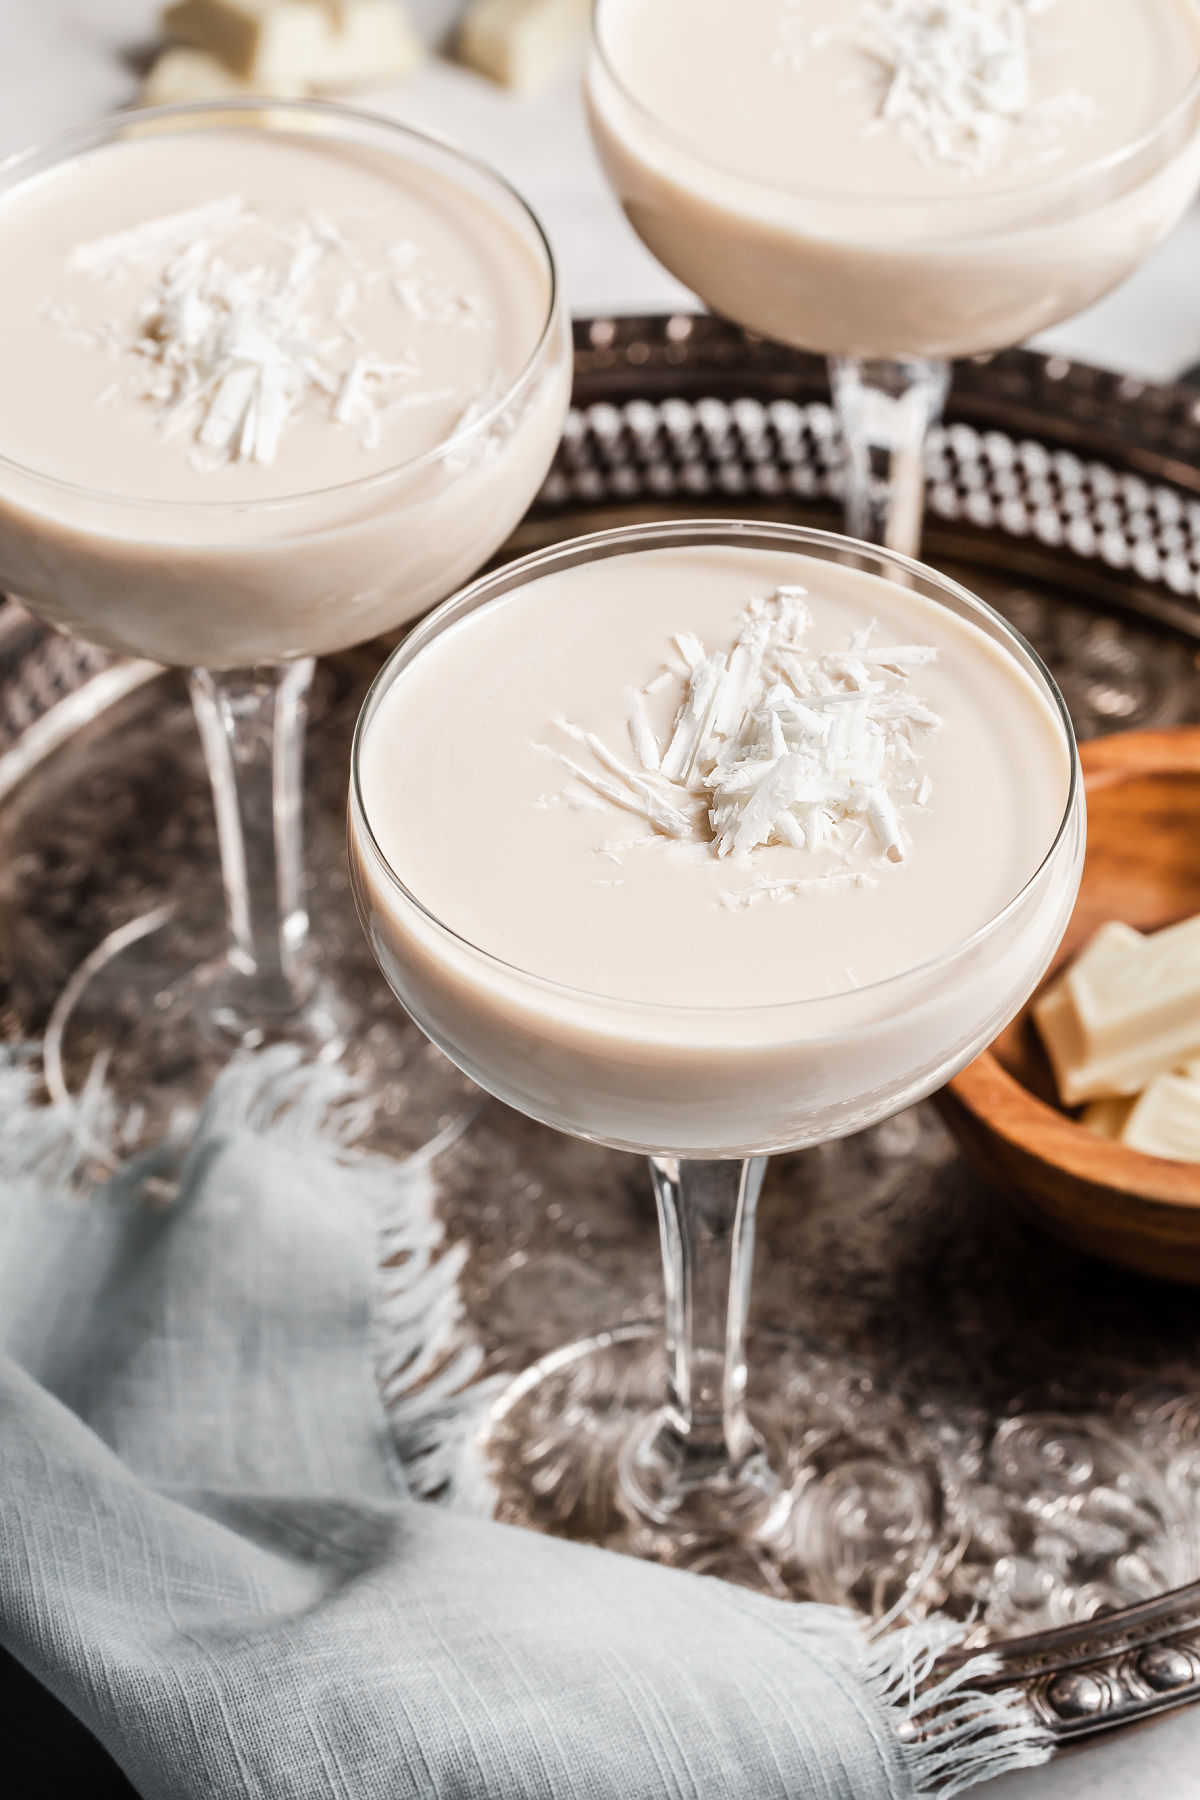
[[306, 370], [706, 1090], [896, 183]]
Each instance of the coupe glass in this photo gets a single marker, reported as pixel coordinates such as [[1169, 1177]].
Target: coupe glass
[[889, 292], [245, 597], [600, 1439]]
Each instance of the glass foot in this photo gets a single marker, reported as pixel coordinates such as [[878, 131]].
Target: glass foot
[[147, 1022], [856, 1513]]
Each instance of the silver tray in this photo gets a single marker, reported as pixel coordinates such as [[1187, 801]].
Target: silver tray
[[1062, 1398]]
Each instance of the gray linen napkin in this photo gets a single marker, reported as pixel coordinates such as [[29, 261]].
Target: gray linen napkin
[[211, 1558]]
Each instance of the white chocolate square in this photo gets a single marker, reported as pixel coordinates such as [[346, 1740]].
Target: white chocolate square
[[1076, 1071], [181, 74], [1141, 993], [1166, 1120], [521, 43], [312, 44], [1108, 1118]]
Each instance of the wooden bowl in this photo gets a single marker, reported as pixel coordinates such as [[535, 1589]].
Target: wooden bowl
[[1142, 867]]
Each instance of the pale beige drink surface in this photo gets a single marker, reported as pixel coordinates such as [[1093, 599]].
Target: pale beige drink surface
[[793, 93], [899, 178], [370, 302], [490, 806], [269, 390]]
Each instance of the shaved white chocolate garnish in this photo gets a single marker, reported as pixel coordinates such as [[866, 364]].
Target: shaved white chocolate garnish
[[468, 445], [175, 232], [696, 722], [900, 660], [741, 899], [777, 744], [581, 799], [690, 648], [430, 303], [797, 39], [959, 74], [233, 337]]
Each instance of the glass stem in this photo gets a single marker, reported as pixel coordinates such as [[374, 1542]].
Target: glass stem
[[252, 725], [886, 410], [703, 1463]]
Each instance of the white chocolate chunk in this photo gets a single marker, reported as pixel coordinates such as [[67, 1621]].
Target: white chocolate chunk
[[1166, 1120], [1057, 1022], [1107, 1118], [1127, 1010], [1150, 990], [182, 74], [313, 44], [521, 43]]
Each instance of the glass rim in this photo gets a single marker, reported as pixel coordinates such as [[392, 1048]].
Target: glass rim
[[52, 152], [660, 535], [1090, 171]]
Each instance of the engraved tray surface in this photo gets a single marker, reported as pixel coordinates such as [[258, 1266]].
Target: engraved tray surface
[[1062, 1398]]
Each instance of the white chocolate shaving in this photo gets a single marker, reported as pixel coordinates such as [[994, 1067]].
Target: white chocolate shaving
[[742, 899], [638, 799], [470, 446], [774, 743], [176, 232], [696, 720], [641, 734], [959, 76], [229, 344]]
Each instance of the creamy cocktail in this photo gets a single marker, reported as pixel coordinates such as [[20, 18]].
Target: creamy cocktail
[[277, 379], [729, 839], [907, 179], [606, 914], [269, 391], [898, 180]]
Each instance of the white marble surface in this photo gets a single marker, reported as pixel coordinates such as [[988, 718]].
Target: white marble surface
[[62, 61]]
